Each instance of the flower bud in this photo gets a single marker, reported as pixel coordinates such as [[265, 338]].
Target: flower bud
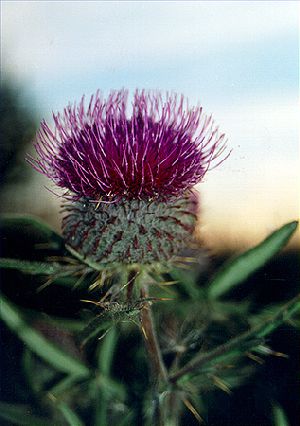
[[129, 231]]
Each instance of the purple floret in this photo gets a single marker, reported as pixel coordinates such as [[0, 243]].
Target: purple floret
[[160, 149]]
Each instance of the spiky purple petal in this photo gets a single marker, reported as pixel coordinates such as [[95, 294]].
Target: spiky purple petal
[[100, 152]]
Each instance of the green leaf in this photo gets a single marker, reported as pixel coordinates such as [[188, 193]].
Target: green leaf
[[31, 267], [72, 325], [270, 311], [279, 417], [106, 351], [99, 325], [188, 279], [63, 385], [283, 315], [70, 416], [127, 419], [63, 274], [21, 415], [113, 387], [239, 345], [105, 357], [43, 373], [239, 269], [49, 352], [116, 313], [106, 392], [34, 227]]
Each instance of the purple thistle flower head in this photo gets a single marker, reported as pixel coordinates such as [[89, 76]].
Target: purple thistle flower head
[[159, 149], [129, 174]]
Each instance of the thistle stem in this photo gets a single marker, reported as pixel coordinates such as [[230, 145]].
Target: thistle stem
[[157, 365], [158, 370]]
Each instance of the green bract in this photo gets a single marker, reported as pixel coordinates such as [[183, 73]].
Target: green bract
[[129, 231]]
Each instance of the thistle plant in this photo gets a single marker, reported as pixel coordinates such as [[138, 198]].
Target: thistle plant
[[127, 172]]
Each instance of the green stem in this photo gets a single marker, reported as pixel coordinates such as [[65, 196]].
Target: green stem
[[157, 367]]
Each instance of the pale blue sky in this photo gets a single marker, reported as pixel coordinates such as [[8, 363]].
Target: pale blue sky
[[219, 50], [239, 59]]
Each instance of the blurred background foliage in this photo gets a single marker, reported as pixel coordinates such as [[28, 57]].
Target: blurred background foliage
[[21, 191], [106, 379], [17, 127]]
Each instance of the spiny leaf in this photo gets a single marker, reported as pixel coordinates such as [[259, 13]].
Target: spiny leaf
[[60, 360], [64, 274], [21, 415], [97, 325], [270, 311], [239, 269], [283, 315], [239, 345], [32, 225], [115, 313], [31, 267]]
